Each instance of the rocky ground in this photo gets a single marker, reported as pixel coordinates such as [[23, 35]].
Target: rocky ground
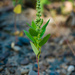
[[17, 57]]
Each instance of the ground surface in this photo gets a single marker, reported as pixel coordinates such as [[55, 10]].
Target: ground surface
[[56, 55]]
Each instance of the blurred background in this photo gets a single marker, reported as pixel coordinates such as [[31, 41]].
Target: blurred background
[[58, 54]]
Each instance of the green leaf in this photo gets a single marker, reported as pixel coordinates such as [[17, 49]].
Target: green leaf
[[33, 32], [44, 40], [34, 25], [29, 36], [14, 0], [29, 25], [44, 27], [42, 33], [34, 48]]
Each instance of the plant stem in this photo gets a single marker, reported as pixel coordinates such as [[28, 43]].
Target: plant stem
[[15, 28], [15, 23], [70, 47], [37, 59]]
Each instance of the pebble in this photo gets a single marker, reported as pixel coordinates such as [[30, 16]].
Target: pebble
[[32, 73], [73, 73], [15, 48], [70, 68], [24, 40], [1, 68], [54, 73], [19, 44], [73, 34], [2, 25], [8, 46], [0, 46], [4, 55], [24, 71], [24, 62], [32, 56], [35, 65], [73, 63], [12, 71], [45, 63], [7, 29], [42, 67]]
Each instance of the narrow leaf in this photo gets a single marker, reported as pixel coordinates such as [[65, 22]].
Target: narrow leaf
[[29, 36], [44, 27], [42, 33], [44, 40], [34, 48], [29, 25], [34, 25]]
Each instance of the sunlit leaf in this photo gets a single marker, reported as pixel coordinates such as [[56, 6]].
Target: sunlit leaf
[[42, 33], [44, 27], [44, 40], [33, 25], [17, 9], [33, 32], [29, 25], [34, 48], [29, 36], [14, 3]]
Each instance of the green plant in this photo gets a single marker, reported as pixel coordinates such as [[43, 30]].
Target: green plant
[[36, 33], [17, 2], [16, 10], [43, 2]]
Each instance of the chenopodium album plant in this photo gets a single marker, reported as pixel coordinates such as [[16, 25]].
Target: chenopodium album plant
[[36, 32]]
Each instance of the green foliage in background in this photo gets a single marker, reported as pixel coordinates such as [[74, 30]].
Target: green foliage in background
[[36, 32], [43, 2], [17, 2]]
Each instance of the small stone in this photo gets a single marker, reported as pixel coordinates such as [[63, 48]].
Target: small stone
[[15, 48], [19, 44], [18, 72], [1, 68], [54, 73], [73, 34], [7, 29], [35, 68], [8, 46], [24, 71], [70, 68], [35, 65], [33, 56], [42, 67], [4, 55], [32, 73], [0, 46], [45, 63], [24, 62], [73, 73], [1, 64], [12, 71], [73, 63], [24, 40]]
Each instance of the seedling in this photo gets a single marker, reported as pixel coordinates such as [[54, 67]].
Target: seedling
[[36, 33], [17, 10]]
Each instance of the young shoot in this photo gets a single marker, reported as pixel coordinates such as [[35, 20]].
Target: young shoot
[[36, 33]]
